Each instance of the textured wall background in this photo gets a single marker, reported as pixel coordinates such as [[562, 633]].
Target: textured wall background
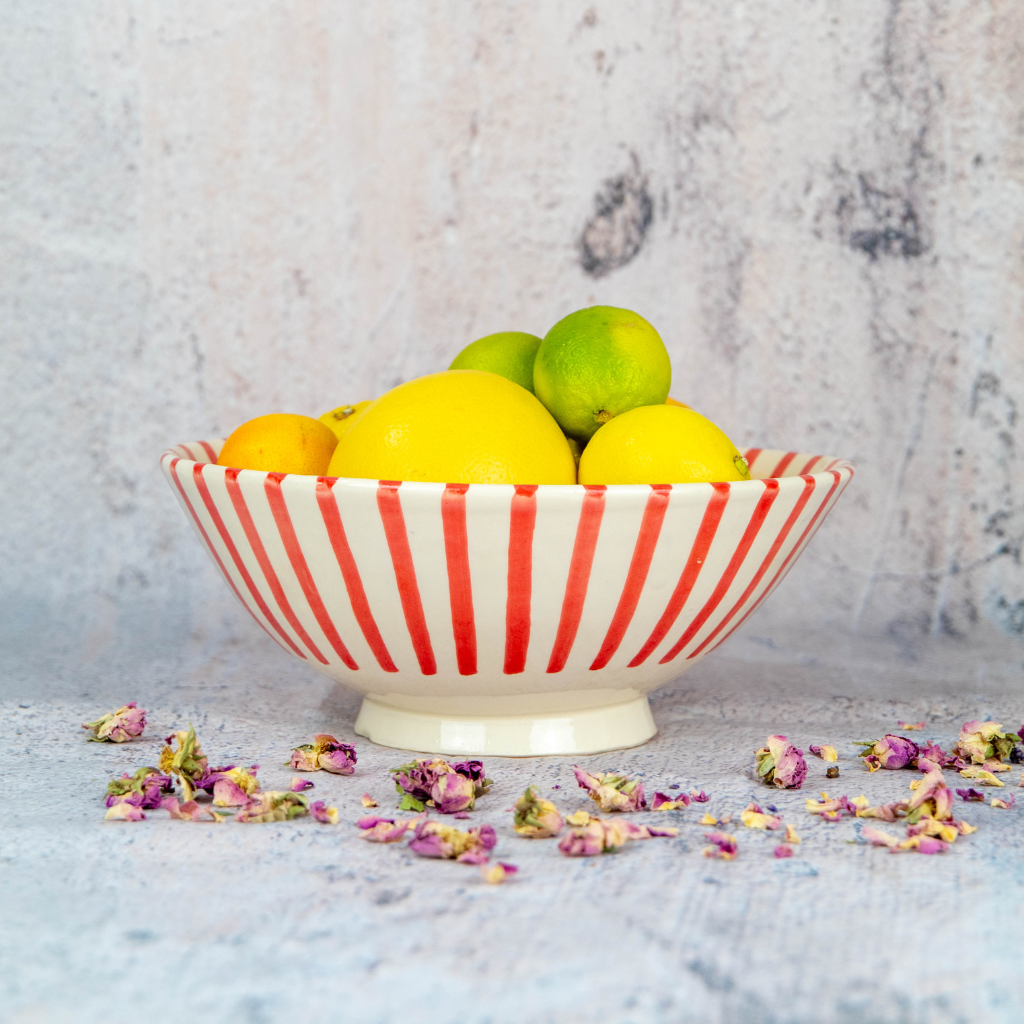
[[212, 211]]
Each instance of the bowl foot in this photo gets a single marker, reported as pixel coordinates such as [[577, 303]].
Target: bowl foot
[[588, 731]]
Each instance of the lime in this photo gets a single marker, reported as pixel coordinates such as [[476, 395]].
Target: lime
[[661, 444], [280, 442], [598, 363], [340, 419], [509, 354], [457, 426]]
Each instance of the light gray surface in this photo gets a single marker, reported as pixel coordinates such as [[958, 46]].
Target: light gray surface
[[265, 923]]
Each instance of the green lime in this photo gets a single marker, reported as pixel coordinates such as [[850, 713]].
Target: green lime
[[509, 354], [598, 363]]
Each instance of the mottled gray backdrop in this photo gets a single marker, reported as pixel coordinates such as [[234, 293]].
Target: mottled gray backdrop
[[210, 211]]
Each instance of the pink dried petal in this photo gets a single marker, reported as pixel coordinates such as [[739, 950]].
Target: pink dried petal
[[971, 794], [227, 794], [1006, 803], [664, 802], [299, 785], [877, 837], [723, 846], [368, 800], [124, 811], [322, 813], [699, 796], [495, 874], [825, 752], [911, 726], [783, 851]]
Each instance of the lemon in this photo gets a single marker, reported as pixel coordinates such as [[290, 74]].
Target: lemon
[[340, 419], [598, 363], [457, 426], [660, 444], [281, 442], [509, 354]]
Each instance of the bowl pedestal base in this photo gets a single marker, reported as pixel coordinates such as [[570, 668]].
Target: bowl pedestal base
[[590, 730]]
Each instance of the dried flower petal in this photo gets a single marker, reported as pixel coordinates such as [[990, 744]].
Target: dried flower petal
[[984, 778], [781, 763], [425, 782], [385, 830], [144, 789], [708, 820], [368, 800], [663, 802], [326, 753], [911, 726], [434, 839], [723, 846], [274, 806], [319, 810], [923, 844], [234, 787], [884, 812], [877, 837], [1005, 804], [189, 811], [791, 835], [971, 794], [124, 811], [536, 818], [699, 796], [892, 752], [578, 819], [188, 762], [825, 752], [498, 872], [612, 792], [979, 742], [117, 726], [831, 809], [783, 851], [754, 817], [299, 784]]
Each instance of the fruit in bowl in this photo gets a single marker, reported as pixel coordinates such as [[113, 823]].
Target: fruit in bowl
[[450, 563]]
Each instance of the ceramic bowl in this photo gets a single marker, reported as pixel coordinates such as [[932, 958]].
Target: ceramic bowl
[[489, 619]]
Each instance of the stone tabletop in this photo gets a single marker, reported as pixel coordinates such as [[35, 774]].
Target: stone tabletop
[[110, 921]]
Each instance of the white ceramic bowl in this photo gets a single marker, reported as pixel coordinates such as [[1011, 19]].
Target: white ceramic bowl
[[489, 619]]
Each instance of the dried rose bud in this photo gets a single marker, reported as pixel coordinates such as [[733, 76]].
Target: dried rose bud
[[319, 810], [983, 777], [452, 793], [663, 802], [1005, 804], [188, 763], [144, 789], [892, 752], [189, 811], [536, 818], [117, 726], [434, 839], [124, 811], [781, 763], [971, 794], [326, 753], [495, 874], [699, 796], [368, 800], [274, 806], [584, 840], [723, 846], [299, 784], [612, 792], [415, 782], [755, 817], [234, 787], [979, 742], [783, 851], [825, 752]]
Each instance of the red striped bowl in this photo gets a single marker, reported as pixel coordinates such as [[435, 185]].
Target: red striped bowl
[[498, 619]]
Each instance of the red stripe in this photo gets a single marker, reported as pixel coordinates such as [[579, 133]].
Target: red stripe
[[393, 519], [350, 573], [587, 530], [751, 455], [213, 551], [771, 492], [831, 464], [783, 463], [688, 577], [252, 535], [789, 558], [460, 586], [801, 502], [285, 527], [639, 566], [211, 508], [208, 448], [520, 577]]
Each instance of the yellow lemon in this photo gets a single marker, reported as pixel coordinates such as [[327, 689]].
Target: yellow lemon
[[457, 426], [660, 444], [598, 363], [340, 419], [280, 443]]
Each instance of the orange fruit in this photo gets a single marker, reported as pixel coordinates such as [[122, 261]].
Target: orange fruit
[[281, 442], [673, 401]]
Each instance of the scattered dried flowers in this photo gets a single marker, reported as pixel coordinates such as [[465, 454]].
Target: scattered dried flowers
[[781, 763], [189, 811], [117, 726], [274, 806], [432, 838], [663, 802], [144, 789], [498, 872], [755, 817], [433, 782], [723, 846], [825, 752], [599, 835], [536, 818], [612, 792], [188, 762], [325, 752]]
